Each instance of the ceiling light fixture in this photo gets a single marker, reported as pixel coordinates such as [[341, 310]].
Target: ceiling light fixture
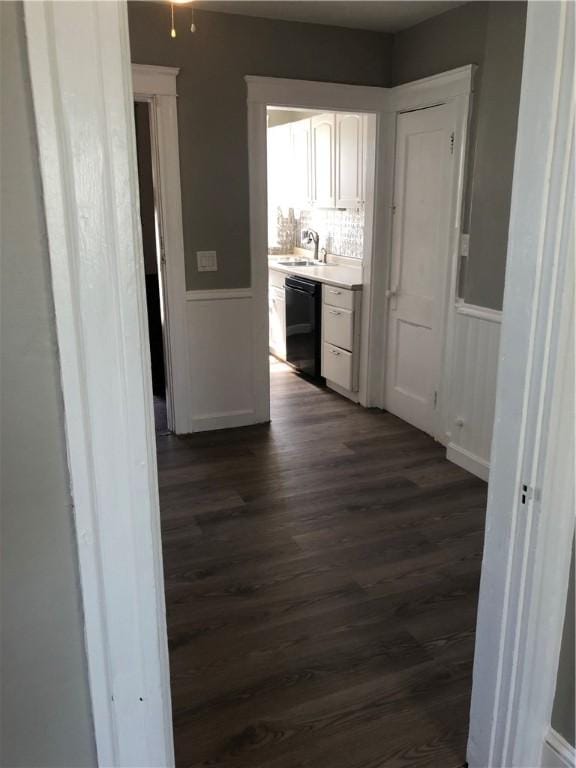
[[173, 26]]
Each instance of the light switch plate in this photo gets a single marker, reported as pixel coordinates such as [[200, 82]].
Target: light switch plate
[[207, 261]]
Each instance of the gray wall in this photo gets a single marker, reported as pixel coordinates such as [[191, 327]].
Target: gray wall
[[563, 712], [46, 718], [490, 35], [212, 114], [212, 109]]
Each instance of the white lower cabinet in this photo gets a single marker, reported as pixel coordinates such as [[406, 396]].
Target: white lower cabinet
[[338, 326], [341, 338], [337, 365], [277, 314]]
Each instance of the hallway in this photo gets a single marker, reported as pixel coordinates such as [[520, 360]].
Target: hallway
[[321, 585]]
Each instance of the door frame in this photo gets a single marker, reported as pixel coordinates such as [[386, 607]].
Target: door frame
[[531, 499], [455, 88], [79, 59], [263, 92], [157, 86]]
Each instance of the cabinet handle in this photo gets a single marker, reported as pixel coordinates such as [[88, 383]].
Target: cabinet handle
[[334, 312], [334, 352], [335, 292]]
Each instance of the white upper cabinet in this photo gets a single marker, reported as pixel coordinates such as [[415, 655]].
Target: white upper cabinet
[[318, 162], [349, 160], [301, 164], [323, 134]]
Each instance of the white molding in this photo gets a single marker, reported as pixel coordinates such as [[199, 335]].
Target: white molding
[[257, 185], [157, 86], [353, 396], [219, 294], [557, 752], [436, 89], [148, 79], [528, 542], [266, 91], [468, 461], [225, 420], [308, 94], [480, 313], [82, 93]]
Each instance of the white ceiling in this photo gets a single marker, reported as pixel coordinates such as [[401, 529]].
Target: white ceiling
[[375, 15]]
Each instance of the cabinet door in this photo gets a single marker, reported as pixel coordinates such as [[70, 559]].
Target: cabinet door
[[301, 170], [277, 321], [323, 129], [349, 160]]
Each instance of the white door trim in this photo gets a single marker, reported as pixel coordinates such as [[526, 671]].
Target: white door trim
[[308, 94], [269, 91], [82, 93], [429, 91], [157, 86], [456, 87], [530, 529]]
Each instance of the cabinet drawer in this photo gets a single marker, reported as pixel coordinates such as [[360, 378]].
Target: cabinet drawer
[[338, 325], [337, 365], [276, 278], [338, 297]]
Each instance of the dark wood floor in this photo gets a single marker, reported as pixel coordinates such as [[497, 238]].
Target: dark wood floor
[[321, 581]]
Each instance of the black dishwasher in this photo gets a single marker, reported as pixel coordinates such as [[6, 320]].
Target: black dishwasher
[[303, 318]]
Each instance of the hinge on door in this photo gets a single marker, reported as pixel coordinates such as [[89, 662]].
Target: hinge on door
[[435, 400], [452, 143]]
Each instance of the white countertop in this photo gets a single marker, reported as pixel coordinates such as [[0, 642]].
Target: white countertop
[[331, 274]]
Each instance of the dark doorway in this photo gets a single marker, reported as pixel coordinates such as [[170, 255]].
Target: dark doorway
[[149, 243]]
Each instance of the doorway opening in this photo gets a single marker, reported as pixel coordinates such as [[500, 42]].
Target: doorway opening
[[320, 177], [151, 237]]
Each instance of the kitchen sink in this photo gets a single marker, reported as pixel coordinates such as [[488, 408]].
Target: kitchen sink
[[296, 263]]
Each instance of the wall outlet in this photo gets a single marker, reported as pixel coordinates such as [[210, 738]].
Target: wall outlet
[[464, 245], [207, 261]]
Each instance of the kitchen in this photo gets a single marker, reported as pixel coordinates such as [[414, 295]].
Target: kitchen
[[317, 190]]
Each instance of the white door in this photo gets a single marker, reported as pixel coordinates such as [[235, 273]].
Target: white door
[[323, 155], [418, 276], [349, 160]]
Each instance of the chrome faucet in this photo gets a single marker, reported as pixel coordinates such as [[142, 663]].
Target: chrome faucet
[[311, 236]]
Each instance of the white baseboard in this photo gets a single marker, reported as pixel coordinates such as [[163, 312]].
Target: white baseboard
[[354, 396], [224, 420], [468, 461], [557, 752]]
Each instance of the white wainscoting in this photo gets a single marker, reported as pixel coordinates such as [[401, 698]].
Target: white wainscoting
[[473, 387], [221, 345]]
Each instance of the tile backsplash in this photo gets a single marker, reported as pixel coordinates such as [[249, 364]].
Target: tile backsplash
[[341, 231]]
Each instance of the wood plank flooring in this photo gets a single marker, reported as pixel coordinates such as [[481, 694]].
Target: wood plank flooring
[[321, 582]]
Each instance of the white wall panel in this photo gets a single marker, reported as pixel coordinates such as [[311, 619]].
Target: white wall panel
[[470, 416], [221, 352]]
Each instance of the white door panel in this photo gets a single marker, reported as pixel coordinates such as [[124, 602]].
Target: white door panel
[[418, 275]]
